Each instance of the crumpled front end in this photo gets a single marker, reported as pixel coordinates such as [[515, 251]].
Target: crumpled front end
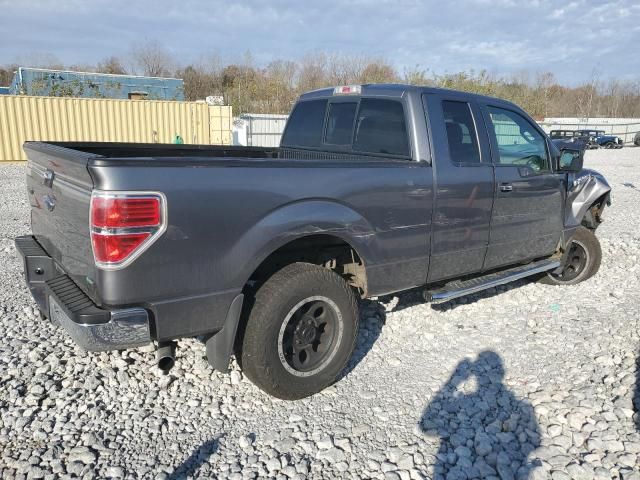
[[588, 194]]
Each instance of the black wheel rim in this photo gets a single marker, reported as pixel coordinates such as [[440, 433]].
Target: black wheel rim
[[575, 263], [309, 336]]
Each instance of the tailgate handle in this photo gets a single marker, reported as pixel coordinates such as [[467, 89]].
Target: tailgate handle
[[47, 178]]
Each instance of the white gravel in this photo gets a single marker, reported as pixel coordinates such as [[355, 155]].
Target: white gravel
[[529, 380]]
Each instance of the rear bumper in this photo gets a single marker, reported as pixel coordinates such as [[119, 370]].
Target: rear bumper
[[91, 327]]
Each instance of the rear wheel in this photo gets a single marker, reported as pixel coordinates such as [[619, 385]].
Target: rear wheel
[[300, 332], [582, 261]]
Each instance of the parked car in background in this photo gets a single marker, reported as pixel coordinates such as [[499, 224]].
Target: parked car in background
[[564, 134], [569, 139], [597, 139], [636, 140], [265, 252]]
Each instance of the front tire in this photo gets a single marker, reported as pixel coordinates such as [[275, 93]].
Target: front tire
[[582, 262], [300, 332]]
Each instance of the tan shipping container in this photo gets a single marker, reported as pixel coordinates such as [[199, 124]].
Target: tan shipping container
[[60, 119]]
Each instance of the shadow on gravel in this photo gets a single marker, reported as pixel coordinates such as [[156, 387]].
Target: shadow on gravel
[[407, 299], [411, 298], [489, 293], [199, 456], [372, 318], [484, 429], [636, 395]]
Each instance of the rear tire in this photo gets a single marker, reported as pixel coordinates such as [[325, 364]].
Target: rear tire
[[583, 260], [300, 331]]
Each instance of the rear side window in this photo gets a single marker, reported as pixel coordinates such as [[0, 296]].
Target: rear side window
[[304, 128], [461, 132], [340, 123], [381, 128]]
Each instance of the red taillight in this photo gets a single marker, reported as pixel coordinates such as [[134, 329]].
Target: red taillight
[[110, 212], [115, 248], [123, 225]]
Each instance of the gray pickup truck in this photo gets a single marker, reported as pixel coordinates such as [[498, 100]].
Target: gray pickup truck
[[264, 253]]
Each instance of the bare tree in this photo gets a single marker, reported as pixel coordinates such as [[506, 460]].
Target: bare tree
[[612, 98], [152, 59], [280, 85], [111, 65], [378, 71], [273, 88], [541, 92], [313, 72], [6, 74], [344, 69], [40, 60], [586, 95], [416, 76]]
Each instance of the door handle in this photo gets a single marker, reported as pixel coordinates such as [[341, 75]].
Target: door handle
[[506, 187]]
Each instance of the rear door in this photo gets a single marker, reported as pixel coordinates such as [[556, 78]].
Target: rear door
[[366, 142], [527, 215], [464, 186]]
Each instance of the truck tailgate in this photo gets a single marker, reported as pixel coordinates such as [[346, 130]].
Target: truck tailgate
[[59, 189]]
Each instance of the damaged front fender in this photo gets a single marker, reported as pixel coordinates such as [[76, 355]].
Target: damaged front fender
[[587, 196]]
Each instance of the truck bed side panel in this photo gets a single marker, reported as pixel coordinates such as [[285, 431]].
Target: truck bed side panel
[[226, 216]]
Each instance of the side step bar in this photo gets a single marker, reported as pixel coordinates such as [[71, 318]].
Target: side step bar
[[460, 288]]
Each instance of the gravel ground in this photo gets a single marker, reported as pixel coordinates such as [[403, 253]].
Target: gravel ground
[[527, 381]]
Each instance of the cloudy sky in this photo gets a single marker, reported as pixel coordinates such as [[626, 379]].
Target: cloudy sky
[[573, 39]]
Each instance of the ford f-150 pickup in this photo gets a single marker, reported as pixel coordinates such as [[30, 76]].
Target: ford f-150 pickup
[[264, 253]]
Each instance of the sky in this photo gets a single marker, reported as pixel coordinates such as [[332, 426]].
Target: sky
[[576, 40]]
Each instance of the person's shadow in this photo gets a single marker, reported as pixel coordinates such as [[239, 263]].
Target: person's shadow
[[636, 395], [484, 429], [199, 456]]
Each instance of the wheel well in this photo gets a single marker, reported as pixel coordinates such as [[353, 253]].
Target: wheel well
[[326, 250], [593, 216]]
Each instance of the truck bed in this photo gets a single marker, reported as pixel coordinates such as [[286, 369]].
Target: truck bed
[[228, 209], [160, 150]]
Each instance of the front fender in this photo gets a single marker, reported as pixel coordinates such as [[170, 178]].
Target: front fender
[[296, 220], [585, 187]]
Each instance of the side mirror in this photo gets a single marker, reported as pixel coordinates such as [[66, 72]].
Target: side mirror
[[571, 160]]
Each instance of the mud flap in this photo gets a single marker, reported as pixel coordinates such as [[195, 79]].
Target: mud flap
[[220, 345]]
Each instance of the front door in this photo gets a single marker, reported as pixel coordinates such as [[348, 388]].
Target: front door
[[527, 214]]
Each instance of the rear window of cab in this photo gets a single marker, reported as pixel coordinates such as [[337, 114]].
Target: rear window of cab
[[367, 125], [304, 127]]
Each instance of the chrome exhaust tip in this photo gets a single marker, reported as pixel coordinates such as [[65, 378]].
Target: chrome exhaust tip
[[166, 356]]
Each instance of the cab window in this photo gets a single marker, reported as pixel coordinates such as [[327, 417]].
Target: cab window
[[461, 132], [381, 128], [304, 128], [340, 123], [519, 142]]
